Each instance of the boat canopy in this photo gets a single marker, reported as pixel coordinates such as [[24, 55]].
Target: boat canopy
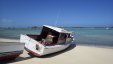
[[60, 30], [58, 33]]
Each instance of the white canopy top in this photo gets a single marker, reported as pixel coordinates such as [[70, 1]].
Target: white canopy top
[[57, 29]]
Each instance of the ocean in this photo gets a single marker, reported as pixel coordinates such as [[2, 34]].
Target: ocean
[[83, 36]]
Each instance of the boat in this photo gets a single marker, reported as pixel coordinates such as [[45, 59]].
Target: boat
[[50, 40], [10, 50]]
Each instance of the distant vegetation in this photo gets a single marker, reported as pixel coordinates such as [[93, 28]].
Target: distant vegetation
[[37, 27], [33, 27]]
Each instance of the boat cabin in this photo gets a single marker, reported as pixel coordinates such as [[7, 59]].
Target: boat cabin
[[54, 35]]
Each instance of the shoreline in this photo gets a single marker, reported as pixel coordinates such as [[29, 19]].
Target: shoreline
[[99, 46], [79, 54], [8, 40], [92, 45]]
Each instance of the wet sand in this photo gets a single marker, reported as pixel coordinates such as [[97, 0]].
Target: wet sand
[[72, 55]]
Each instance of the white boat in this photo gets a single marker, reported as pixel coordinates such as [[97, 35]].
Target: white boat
[[10, 50], [51, 40]]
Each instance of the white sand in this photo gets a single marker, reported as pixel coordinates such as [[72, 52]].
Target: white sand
[[76, 55], [8, 40]]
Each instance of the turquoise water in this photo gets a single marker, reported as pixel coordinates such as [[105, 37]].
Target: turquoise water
[[88, 36], [15, 33]]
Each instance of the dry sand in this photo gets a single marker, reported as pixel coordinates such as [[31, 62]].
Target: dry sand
[[72, 55]]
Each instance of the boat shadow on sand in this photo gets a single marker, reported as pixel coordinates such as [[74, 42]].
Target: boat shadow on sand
[[45, 56]]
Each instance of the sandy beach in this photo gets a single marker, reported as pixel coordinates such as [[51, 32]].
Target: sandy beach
[[78, 54]]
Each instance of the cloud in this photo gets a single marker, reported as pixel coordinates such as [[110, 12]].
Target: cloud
[[6, 21]]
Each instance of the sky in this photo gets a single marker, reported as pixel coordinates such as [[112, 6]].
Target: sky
[[76, 13]]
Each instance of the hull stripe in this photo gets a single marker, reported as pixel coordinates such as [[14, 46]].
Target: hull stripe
[[36, 54]]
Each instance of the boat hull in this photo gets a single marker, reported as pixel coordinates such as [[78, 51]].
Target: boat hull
[[46, 50], [53, 49], [10, 50], [10, 55]]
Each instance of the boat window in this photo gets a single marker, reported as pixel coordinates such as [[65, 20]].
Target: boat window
[[47, 31], [62, 38], [44, 32], [68, 38]]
